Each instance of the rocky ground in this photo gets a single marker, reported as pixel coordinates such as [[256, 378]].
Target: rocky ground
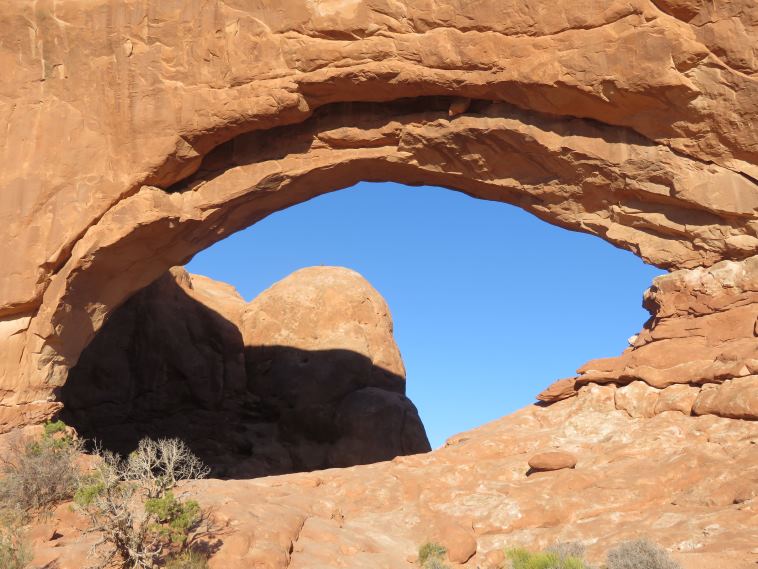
[[688, 483]]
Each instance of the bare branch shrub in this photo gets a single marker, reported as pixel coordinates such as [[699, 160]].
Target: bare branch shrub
[[639, 554], [567, 549], [37, 474], [130, 503]]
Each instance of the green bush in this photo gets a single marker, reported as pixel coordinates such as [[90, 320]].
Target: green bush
[[175, 519], [523, 559], [90, 487], [37, 474], [189, 559], [52, 427], [639, 554], [431, 556]]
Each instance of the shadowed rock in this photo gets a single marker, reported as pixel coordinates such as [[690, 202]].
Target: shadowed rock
[[170, 364]]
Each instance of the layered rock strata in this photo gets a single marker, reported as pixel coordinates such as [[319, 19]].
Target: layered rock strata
[[698, 353], [307, 376]]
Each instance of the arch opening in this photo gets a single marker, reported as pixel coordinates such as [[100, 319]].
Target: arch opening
[[175, 359], [575, 173]]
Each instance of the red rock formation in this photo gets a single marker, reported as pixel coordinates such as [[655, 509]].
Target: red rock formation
[[139, 133], [697, 354], [316, 382]]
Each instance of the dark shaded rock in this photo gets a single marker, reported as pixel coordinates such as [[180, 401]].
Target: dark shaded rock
[[172, 362]]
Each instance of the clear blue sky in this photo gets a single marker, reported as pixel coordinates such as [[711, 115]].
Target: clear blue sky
[[490, 304]]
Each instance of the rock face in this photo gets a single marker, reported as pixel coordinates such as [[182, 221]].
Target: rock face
[[688, 483], [305, 377], [698, 353], [319, 343], [183, 122]]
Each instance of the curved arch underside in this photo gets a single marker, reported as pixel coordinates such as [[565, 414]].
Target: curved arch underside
[[185, 122]]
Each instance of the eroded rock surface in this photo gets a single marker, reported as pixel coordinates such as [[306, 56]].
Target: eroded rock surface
[[689, 483], [698, 353], [306, 376]]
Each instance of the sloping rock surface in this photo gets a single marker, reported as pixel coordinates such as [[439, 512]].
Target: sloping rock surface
[[689, 483], [305, 377]]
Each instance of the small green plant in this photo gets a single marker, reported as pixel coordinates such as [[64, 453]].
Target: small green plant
[[175, 519], [432, 555], [639, 554], [90, 487], [52, 427], [37, 474], [521, 558], [189, 559], [15, 553]]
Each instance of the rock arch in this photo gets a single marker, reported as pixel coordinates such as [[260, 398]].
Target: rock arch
[[131, 150]]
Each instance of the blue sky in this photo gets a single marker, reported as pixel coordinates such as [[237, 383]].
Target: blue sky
[[490, 304]]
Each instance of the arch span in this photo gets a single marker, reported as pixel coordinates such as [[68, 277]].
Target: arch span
[[576, 174]]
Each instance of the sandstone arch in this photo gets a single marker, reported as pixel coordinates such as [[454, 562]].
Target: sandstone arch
[[130, 151]]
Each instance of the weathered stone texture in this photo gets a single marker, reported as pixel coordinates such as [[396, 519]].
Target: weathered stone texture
[[688, 483]]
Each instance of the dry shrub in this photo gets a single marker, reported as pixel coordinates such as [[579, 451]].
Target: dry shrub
[[15, 553], [37, 474], [639, 554], [131, 505], [567, 549]]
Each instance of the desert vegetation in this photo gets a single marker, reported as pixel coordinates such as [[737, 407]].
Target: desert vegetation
[[559, 557], [132, 506], [15, 552], [39, 473], [131, 503], [431, 555], [637, 554]]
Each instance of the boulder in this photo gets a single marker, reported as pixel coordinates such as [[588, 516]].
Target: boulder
[[313, 380], [638, 399], [736, 398], [552, 460], [319, 348]]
